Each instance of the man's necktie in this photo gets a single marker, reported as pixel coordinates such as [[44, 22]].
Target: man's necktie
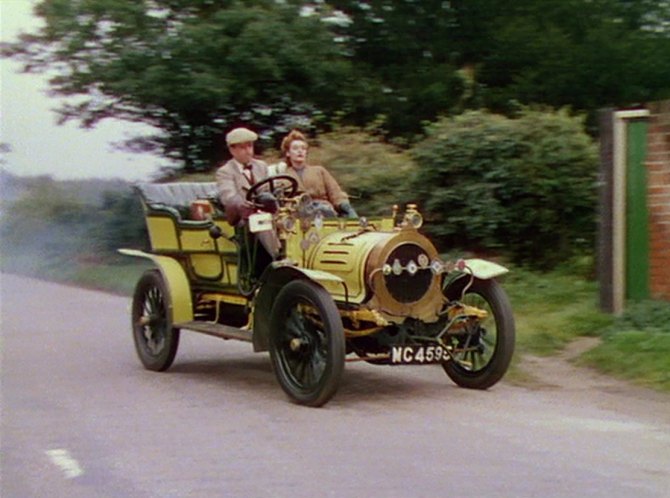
[[248, 172]]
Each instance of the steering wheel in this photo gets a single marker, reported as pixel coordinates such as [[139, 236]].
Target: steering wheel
[[286, 190]]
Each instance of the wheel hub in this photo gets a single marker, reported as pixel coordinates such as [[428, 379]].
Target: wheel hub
[[296, 344], [303, 344]]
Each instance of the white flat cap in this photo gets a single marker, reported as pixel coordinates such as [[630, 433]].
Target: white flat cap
[[240, 136]]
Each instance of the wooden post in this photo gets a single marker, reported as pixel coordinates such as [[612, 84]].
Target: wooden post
[[619, 205]]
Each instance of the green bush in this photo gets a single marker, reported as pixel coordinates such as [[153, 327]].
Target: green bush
[[525, 186], [48, 220], [53, 227], [122, 222]]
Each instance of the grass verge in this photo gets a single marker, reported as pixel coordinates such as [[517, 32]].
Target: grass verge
[[636, 346], [553, 309], [642, 356], [118, 276]]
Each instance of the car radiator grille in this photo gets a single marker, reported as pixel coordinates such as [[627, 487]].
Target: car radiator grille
[[407, 288]]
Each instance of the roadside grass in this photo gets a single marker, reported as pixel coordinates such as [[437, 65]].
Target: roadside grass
[[636, 346], [642, 356], [550, 310], [553, 309], [118, 276]]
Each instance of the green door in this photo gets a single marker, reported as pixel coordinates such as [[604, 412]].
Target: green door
[[637, 216]]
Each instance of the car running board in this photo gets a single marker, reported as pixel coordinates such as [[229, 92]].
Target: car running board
[[218, 330]]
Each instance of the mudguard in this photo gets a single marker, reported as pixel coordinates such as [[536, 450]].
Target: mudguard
[[484, 269], [479, 268], [180, 304]]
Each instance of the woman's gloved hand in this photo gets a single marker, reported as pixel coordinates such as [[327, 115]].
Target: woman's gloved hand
[[347, 210]]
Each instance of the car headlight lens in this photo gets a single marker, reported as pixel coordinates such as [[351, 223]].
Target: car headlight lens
[[412, 268], [415, 220]]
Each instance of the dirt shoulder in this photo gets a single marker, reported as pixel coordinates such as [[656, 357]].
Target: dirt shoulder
[[559, 373]]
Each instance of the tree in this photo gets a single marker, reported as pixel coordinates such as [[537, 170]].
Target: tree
[[404, 51], [5, 148], [585, 54], [195, 68], [191, 69]]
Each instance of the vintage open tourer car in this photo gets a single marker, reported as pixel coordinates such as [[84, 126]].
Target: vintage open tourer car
[[341, 290]]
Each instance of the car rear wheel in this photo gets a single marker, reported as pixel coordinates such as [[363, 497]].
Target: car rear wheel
[[482, 355], [156, 340], [307, 346]]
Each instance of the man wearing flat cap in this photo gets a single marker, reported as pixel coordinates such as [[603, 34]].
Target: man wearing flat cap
[[235, 178]]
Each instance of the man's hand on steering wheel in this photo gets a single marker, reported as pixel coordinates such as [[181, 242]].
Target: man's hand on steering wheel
[[267, 201]]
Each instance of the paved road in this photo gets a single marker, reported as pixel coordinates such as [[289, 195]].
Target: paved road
[[81, 418]]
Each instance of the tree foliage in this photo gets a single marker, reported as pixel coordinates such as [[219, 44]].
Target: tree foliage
[[524, 186], [191, 69], [403, 50], [195, 68], [583, 54]]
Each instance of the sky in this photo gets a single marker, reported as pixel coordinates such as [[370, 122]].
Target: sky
[[28, 123]]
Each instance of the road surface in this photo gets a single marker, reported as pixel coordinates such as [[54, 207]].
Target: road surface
[[81, 418]]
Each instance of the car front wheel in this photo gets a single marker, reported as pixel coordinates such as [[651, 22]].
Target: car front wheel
[[482, 354], [307, 346]]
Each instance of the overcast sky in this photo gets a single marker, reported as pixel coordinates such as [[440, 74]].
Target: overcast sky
[[28, 124]]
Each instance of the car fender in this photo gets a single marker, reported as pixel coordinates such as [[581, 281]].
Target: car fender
[[478, 268], [180, 305], [483, 269], [273, 280]]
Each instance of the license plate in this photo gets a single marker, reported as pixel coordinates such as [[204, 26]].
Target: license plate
[[418, 354]]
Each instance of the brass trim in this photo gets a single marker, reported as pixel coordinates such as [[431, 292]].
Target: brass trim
[[428, 306]]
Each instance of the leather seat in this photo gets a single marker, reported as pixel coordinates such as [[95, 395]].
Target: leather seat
[[176, 198]]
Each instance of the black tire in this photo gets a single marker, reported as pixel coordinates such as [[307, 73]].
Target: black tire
[[156, 340], [482, 368], [307, 346]]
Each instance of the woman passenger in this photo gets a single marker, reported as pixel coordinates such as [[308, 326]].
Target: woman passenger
[[316, 181]]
